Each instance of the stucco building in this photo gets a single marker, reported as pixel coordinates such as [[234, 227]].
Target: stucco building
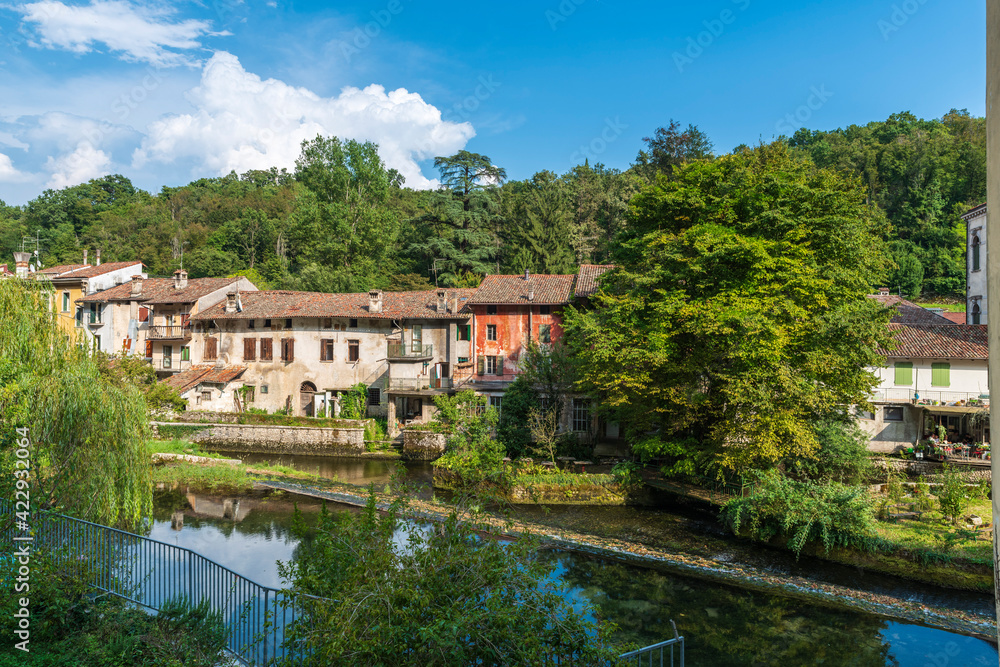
[[975, 271]]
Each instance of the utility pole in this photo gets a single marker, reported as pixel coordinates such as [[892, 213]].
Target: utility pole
[[993, 251]]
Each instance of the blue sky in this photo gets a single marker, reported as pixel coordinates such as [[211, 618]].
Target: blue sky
[[167, 92]]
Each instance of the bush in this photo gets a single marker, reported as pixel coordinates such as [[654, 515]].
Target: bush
[[472, 455], [519, 400], [951, 493], [354, 404], [803, 512], [842, 455]]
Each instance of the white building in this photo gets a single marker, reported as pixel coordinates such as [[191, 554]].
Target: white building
[[975, 271]]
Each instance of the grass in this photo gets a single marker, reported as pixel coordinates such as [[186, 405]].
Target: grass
[[949, 307], [180, 446], [561, 478], [932, 532]]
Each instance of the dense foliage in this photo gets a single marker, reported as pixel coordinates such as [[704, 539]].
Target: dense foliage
[[472, 454], [401, 593], [738, 316]]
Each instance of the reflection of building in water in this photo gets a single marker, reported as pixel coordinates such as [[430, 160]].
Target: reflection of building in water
[[233, 509]]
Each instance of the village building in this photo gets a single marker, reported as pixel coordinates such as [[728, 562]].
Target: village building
[[975, 265], [301, 351], [148, 316]]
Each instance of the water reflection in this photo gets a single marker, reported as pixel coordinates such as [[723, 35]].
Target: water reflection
[[723, 625]]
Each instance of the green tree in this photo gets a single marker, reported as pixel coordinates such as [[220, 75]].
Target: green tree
[[519, 400], [538, 227], [87, 434], [670, 147], [739, 314], [444, 597]]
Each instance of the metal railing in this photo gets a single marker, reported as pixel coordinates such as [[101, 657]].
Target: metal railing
[[171, 332], [657, 653], [148, 573], [397, 350], [943, 397]]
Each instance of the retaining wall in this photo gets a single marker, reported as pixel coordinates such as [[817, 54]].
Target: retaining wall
[[423, 445], [259, 439]]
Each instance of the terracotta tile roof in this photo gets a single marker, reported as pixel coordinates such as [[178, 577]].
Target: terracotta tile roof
[[586, 278], [280, 304], [908, 312], [971, 213], [161, 290], [954, 318], [62, 268], [192, 377], [949, 341], [548, 290], [94, 271]]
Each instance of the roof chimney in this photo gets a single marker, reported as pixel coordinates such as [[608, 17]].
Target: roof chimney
[[454, 303], [21, 264], [231, 302], [531, 293], [85, 257], [180, 279], [98, 253], [442, 303], [526, 274], [883, 291], [375, 301], [136, 285]]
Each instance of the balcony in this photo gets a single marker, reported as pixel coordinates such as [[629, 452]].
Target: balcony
[[94, 319], [169, 333], [407, 384], [173, 365], [403, 352], [932, 398]]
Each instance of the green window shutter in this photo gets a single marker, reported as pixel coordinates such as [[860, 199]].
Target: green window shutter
[[481, 365], [941, 374], [904, 373], [975, 257], [499, 364]]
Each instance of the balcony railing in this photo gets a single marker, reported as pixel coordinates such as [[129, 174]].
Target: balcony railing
[[935, 397], [169, 333], [402, 351], [94, 319], [172, 364], [407, 384]]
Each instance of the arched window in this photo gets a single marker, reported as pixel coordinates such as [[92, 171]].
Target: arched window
[[975, 252], [976, 312]]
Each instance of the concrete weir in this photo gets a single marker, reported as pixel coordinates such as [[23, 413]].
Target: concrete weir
[[265, 439]]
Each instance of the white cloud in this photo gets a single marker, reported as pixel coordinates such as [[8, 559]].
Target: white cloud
[[138, 33], [7, 171], [83, 164], [242, 122]]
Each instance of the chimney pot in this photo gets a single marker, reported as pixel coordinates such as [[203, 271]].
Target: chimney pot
[[375, 301], [85, 257], [526, 274], [21, 260], [883, 291], [230, 302], [454, 304], [442, 301], [98, 258], [136, 285], [531, 293], [180, 279]]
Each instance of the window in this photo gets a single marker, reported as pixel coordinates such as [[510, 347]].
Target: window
[[892, 414], [185, 353], [249, 349], [288, 323], [463, 360], [169, 320], [206, 396], [353, 350], [491, 310], [941, 374], [251, 324], [352, 324], [248, 393], [464, 332], [374, 396], [491, 365], [79, 316], [266, 349], [143, 314], [904, 373], [149, 349], [976, 314], [288, 349], [263, 388], [975, 252], [581, 415], [491, 332], [327, 322], [495, 402], [267, 324], [864, 414], [211, 349], [168, 356], [544, 310], [326, 350], [65, 302], [417, 338], [544, 333]]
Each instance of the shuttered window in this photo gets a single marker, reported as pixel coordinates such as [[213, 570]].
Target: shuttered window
[[975, 253], [266, 349], [464, 332], [249, 349], [288, 349], [326, 350], [353, 350], [940, 374], [904, 373], [211, 349]]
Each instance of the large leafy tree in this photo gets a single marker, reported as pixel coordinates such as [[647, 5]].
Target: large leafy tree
[[670, 147], [738, 315]]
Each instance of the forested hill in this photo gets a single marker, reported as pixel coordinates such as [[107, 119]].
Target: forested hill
[[344, 222]]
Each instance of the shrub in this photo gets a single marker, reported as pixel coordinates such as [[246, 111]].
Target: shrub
[[354, 404], [951, 494], [830, 513], [842, 455]]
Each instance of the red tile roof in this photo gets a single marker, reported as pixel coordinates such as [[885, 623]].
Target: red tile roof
[[908, 312], [280, 304], [94, 271], [161, 290], [62, 268], [192, 377], [949, 341], [971, 213], [955, 318], [586, 278], [548, 290]]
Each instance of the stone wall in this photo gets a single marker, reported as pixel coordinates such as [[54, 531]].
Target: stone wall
[[931, 468], [423, 445], [257, 439]]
